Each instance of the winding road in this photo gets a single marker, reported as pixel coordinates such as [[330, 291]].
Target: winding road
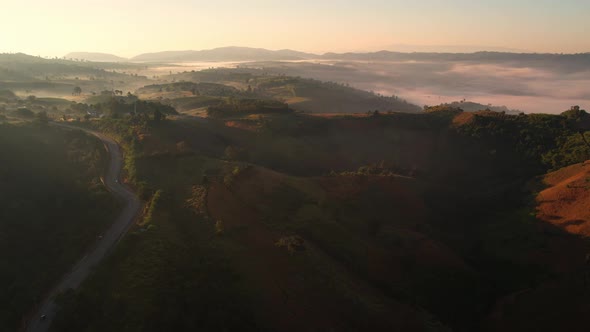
[[109, 239]]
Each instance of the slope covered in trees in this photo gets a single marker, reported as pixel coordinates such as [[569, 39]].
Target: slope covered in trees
[[403, 221], [52, 207], [306, 95]]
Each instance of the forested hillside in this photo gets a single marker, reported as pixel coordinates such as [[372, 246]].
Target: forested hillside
[[52, 208]]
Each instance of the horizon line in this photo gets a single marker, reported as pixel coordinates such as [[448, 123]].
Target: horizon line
[[483, 50]]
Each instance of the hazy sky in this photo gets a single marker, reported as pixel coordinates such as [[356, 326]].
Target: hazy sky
[[130, 27]]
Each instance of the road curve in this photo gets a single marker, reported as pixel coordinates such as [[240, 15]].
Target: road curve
[[109, 239]]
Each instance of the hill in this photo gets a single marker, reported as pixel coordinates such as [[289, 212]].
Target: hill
[[354, 218], [469, 106], [264, 218], [559, 303], [28, 75], [305, 95], [95, 56], [564, 63], [234, 53], [222, 54], [476, 56], [45, 230], [565, 202]]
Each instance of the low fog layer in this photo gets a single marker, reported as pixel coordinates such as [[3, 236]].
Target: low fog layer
[[533, 83], [547, 83], [528, 86]]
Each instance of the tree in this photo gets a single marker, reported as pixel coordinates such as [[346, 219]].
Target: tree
[[219, 229], [231, 153], [158, 116], [42, 118], [77, 91], [578, 120], [24, 113]]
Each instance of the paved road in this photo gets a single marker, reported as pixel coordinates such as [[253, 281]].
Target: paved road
[[109, 239]]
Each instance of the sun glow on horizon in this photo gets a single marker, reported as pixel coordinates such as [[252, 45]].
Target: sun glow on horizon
[[132, 27]]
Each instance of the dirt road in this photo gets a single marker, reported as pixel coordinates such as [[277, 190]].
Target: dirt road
[[83, 268]]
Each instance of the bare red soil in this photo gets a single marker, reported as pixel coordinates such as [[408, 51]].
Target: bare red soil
[[563, 302], [294, 295], [289, 301], [241, 125], [409, 210], [566, 202], [467, 117]]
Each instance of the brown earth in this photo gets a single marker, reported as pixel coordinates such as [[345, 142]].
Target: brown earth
[[312, 290], [288, 302], [554, 306], [566, 201], [409, 209], [562, 303], [464, 118], [242, 125]]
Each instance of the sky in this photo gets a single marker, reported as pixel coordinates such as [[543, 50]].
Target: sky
[[130, 27]]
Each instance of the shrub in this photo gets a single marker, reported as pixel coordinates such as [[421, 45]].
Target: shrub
[[229, 178], [219, 229], [24, 113], [292, 243], [153, 205], [198, 200]]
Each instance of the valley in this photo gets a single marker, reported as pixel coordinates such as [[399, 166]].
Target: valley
[[273, 201]]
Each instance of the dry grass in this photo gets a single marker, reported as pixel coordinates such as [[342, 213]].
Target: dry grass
[[566, 202]]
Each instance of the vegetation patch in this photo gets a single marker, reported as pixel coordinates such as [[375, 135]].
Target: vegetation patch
[[53, 206], [292, 243]]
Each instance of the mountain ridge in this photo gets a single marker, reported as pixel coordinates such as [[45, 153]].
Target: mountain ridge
[[235, 53], [230, 53], [96, 57]]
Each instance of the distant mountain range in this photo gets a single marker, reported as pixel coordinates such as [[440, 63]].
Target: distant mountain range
[[95, 56], [409, 48], [224, 54], [260, 54], [477, 56]]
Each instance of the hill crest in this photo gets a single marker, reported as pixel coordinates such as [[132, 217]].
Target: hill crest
[[95, 57], [231, 53]]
